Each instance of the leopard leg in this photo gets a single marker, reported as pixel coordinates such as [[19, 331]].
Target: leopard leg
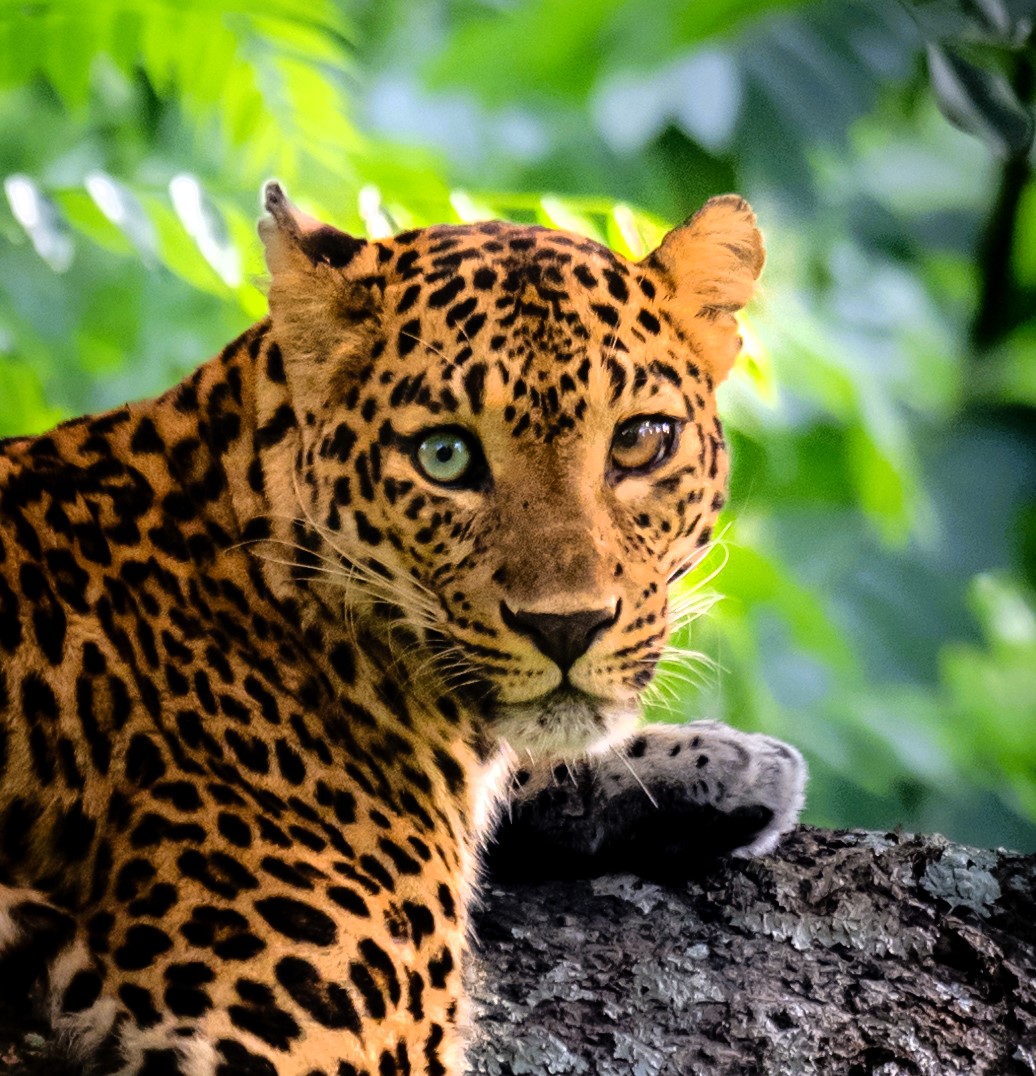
[[666, 802], [46, 963]]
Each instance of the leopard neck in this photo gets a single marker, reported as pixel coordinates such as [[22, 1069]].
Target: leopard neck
[[250, 447]]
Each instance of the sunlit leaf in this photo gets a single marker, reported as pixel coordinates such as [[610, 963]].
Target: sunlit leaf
[[204, 224], [123, 209], [42, 221], [558, 213]]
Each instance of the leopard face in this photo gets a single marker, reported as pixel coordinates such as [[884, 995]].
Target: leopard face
[[509, 447]]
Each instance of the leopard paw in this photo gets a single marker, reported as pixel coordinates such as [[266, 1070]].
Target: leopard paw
[[665, 803]]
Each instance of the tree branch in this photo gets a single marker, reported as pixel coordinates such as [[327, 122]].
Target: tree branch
[[998, 291], [846, 952]]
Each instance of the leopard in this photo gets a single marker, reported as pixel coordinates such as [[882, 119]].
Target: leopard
[[363, 607]]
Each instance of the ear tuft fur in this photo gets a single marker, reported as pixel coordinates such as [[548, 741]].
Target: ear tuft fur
[[288, 233]]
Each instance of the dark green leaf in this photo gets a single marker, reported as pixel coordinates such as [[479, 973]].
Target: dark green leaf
[[980, 102]]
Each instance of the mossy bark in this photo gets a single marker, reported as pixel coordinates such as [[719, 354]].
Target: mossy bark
[[844, 952]]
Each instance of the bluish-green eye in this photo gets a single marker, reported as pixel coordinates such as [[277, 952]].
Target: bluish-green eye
[[447, 456]]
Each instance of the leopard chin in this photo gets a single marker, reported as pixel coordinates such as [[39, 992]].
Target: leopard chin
[[563, 723]]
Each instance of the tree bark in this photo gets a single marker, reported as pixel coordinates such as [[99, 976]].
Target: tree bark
[[844, 952]]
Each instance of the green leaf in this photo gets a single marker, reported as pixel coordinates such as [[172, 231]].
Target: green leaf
[[980, 102], [988, 21], [37, 213]]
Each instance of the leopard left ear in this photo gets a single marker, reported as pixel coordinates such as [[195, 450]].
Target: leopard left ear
[[710, 264], [324, 286]]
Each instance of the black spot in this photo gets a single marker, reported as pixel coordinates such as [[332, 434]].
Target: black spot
[[447, 293], [132, 876], [161, 1063], [267, 703], [219, 873], [222, 930], [268, 1022], [447, 903], [38, 700], [484, 279], [143, 945], [161, 897], [252, 752], [330, 246], [297, 920], [607, 313], [285, 872], [327, 1003], [350, 900], [73, 833], [474, 386], [377, 959], [183, 795], [146, 438], [373, 999], [82, 991], [141, 1005], [409, 336], [237, 1061], [290, 763], [403, 861], [451, 769], [422, 922], [365, 530], [616, 285], [440, 968], [276, 428], [343, 661], [10, 625], [183, 999], [408, 298], [275, 364], [415, 995], [234, 829]]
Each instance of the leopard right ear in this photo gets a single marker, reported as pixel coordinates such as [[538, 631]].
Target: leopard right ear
[[296, 241], [709, 266]]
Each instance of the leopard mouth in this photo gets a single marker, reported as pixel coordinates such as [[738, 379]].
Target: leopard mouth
[[563, 721]]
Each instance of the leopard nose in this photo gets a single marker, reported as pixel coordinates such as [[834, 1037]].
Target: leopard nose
[[563, 637]]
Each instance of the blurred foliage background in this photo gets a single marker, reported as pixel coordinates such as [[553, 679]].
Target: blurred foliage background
[[879, 557]]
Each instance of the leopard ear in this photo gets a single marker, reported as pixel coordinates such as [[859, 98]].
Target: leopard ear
[[324, 285], [293, 238], [710, 264]]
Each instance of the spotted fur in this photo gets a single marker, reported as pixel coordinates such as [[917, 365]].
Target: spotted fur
[[261, 678]]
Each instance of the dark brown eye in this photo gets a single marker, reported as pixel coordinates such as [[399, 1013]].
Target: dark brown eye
[[642, 443]]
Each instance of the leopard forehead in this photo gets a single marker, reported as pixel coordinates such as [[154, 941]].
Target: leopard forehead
[[529, 317], [534, 326]]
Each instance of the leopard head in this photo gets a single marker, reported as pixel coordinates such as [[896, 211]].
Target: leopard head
[[509, 438]]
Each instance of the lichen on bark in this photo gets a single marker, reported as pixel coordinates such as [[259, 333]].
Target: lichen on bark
[[844, 952]]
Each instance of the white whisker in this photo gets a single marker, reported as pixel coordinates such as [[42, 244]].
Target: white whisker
[[626, 762]]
